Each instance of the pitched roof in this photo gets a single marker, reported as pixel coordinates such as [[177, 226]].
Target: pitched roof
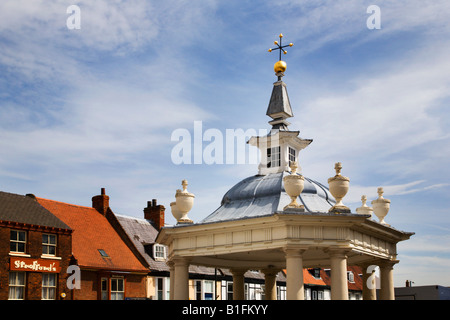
[[93, 232], [25, 209], [142, 233]]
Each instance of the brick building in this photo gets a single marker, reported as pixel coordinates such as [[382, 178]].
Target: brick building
[[108, 267], [35, 250]]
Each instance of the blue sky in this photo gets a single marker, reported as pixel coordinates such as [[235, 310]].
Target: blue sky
[[96, 107]]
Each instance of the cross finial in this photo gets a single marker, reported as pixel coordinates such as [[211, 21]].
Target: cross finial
[[280, 46]]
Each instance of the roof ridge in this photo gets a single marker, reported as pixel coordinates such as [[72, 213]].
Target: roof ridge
[[65, 203], [129, 217]]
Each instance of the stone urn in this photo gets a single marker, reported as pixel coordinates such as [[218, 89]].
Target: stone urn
[[175, 212], [294, 184], [184, 203], [339, 187], [364, 209], [381, 206]]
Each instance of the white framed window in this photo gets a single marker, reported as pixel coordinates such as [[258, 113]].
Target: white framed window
[[163, 288], [159, 252], [18, 241], [317, 295], [281, 293], [49, 244], [292, 156], [273, 157], [350, 276], [16, 286], [227, 290], [255, 291], [48, 286], [117, 289], [204, 290]]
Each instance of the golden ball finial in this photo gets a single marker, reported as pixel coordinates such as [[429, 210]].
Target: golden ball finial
[[279, 66], [281, 35]]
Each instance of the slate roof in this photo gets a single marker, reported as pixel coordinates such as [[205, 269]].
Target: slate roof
[[262, 195], [93, 232], [143, 234], [279, 101], [25, 209]]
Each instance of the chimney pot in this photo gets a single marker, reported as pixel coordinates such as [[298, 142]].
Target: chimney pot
[[155, 213], [101, 202]]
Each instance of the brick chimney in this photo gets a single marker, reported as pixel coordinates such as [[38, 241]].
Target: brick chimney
[[101, 202], [155, 213]]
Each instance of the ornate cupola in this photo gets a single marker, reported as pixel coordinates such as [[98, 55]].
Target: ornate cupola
[[280, 148]]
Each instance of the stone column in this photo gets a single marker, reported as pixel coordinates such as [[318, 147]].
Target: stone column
[[339, 285], [387, 291], [270, 277], [369, 285], [294, 274], [172, 278], [181, 285], [238, 284]]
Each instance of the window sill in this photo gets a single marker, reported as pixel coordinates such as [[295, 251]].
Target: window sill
[[46, 256], [20, 254]]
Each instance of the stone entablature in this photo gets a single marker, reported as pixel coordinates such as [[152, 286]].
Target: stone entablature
[[249, 242]]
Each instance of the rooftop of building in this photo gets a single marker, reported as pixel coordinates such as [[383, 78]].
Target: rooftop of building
[[95, 243], [24, 209]]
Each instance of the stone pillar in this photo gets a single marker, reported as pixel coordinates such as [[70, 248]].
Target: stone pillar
[[171, 266], [181, 283], [238, 284], [339, 284], [270, 277], [294, 274], [369, 285], [387, 291]]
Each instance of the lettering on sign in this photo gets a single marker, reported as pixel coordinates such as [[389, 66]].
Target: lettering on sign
[[36, 265]]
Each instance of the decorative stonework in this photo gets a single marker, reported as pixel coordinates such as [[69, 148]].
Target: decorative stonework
[[294, 184], [339, 187], [183, 204], [381, 206], [364, 209]]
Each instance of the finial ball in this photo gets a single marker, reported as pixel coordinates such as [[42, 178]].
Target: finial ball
[[279, 66]]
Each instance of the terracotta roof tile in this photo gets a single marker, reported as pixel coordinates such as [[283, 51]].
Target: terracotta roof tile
[[92, 231]]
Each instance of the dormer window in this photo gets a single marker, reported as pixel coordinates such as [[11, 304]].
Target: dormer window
[[291, 155], [273, 157], [159, 252], [350, 276]]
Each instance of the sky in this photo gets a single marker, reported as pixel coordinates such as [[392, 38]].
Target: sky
[[96, 106]]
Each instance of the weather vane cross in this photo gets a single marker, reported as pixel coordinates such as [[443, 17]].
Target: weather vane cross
[[280, 46]]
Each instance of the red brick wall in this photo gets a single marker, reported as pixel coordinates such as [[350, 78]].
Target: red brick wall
[[34, 249], [91, 287]]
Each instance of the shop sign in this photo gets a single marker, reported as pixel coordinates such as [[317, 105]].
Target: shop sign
[[36, 265]]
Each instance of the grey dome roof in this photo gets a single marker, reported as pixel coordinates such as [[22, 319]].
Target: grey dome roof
[[262, 195]]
